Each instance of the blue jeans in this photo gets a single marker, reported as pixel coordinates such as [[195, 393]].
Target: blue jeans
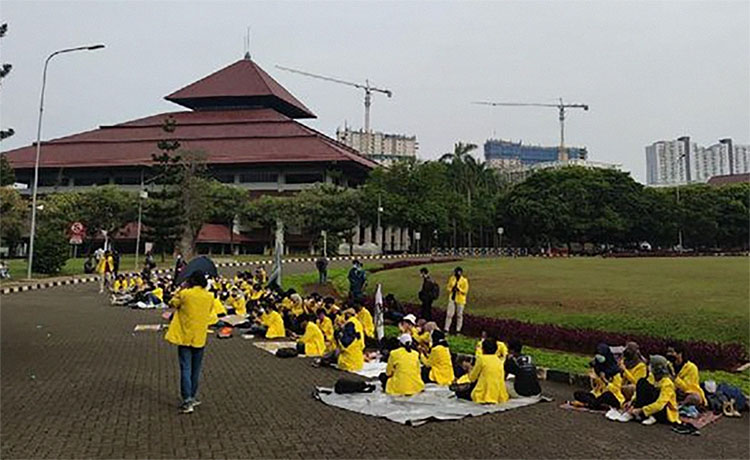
[[190, 371]]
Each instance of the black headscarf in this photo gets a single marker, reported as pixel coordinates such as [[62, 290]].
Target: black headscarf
[[609, 367]]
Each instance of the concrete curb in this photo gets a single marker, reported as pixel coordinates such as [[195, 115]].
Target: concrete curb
[[93, 278]]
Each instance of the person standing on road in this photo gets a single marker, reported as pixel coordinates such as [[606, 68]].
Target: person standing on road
[[458, 289], [322, 265], [104, 267], [188, 330], [429, 293]]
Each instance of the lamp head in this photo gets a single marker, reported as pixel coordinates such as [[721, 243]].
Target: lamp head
[[95, 47]]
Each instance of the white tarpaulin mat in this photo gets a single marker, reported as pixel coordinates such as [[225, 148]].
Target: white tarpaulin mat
[[371, 369], [434, 403]]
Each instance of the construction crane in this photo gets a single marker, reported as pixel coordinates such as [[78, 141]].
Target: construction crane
[[561, 106], [366, 86]]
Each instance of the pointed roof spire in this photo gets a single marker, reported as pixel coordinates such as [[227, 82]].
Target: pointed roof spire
[[242, 85]]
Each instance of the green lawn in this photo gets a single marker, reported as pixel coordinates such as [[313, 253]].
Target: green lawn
[[702, 298]]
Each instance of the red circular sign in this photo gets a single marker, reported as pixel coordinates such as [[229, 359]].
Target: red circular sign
[[77, 228]]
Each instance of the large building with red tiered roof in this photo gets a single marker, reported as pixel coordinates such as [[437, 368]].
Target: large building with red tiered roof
[[239, 117]]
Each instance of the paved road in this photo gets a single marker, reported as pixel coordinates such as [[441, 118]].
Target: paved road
[[78, 383]]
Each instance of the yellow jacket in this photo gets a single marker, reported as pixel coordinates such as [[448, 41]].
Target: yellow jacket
[[489, 374], [614, 386], [688, 380], [313, 340], [440, 364], [191, 319], [275, 324], [365, 318], [463, 289], [106, 264], [117, 286], [239, 305], [404, 377], [635, 373], [422, 338], [502, 350], [158, 293], [352, 357], [326, 327], [667, 399]]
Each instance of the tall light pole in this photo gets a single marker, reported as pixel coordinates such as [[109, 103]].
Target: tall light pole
[[39, 145], [679, 223]]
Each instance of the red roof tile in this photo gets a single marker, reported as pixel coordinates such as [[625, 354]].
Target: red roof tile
[[217, 233], [242, 84], [729, 179]]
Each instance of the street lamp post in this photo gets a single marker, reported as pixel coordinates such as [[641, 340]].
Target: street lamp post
[[679, 223], [39, 146], [141, 196]]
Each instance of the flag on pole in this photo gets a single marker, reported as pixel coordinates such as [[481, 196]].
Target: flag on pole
[[275, 278], [379, 322]]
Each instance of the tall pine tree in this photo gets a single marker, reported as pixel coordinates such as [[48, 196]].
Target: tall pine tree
[[163, 218]]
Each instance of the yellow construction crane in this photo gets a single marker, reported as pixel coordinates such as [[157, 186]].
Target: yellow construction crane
[[561, 106], [366, 87]]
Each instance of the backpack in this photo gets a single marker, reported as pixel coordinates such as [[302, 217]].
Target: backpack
[[286, 353], [732, 392], [346, 386], [434, 290]]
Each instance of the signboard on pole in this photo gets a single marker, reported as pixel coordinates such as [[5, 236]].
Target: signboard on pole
[[77, 233]]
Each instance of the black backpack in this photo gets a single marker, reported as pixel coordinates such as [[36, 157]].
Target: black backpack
[[286, 353], [345, 385]]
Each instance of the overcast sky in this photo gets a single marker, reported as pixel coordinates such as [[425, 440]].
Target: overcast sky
[[649, 70]]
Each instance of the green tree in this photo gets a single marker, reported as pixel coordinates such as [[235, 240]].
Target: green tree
[[107, 208], [51, 249], [7, 174], [14, 212], [5, 69]]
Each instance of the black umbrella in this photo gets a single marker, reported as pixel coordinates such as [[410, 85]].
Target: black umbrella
[[201, 263]]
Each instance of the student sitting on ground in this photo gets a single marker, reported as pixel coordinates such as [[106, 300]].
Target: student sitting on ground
[[325, 325], [687, 378], [312, 342], [365, 317], [633, 368], [407, 323], [438, 366], [606, 382], [237, 302], [655, 402], [274, 323], [502, 349], [402, 376], [525, 381], [487, 377], [351, 339]]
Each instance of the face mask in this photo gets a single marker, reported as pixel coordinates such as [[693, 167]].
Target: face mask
[[628, 354], [600, 359], [672, 358]]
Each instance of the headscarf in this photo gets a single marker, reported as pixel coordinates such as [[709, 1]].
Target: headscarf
[[632, 355], [659, 366], [605, 362], [438, 338]]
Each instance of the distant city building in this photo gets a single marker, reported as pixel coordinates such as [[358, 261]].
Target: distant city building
[[520, 173], [682, 161], [502, 154], [381, 147]]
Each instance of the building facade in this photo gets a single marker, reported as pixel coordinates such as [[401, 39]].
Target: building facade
[[682, 161], [502, 153], [381, 147]]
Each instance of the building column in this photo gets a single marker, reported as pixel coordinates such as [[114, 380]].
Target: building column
[[379, 237], [368, 235], [397, 239], [406, 241], [387, 245], [356, 234]]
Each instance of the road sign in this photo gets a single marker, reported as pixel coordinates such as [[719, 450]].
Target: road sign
[[77, 233]]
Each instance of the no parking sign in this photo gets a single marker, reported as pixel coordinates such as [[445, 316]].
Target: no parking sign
[[77, 233]]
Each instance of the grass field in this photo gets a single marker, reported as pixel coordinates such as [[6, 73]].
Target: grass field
[[685, 298]]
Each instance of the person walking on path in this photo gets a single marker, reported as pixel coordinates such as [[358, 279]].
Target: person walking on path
[[429, 293], [188, 330], [458, 289], [104, 268], [322, 265]]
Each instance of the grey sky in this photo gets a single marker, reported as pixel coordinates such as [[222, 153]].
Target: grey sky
[[649, 70]]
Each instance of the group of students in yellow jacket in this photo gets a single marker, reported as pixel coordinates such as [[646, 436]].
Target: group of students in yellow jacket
[[649, 391]]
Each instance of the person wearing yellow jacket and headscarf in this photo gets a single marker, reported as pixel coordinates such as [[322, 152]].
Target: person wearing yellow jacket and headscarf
[[657, 401], [438, 365], [458, 289], [238, 302], [487, 377], [687, 378], [351, 339], [326, 327], [105, 267], [365, 317], [188, 329], [274, 324], [312, 342], [402, 376]]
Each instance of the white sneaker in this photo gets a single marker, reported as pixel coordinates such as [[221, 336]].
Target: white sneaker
[[625, 417], [612, 414], [649, 421]]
